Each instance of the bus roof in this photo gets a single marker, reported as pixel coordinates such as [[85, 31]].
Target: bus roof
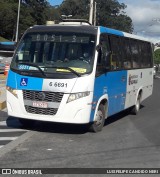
[[75, 22], [121, 33], [83, 28], [64, 28]]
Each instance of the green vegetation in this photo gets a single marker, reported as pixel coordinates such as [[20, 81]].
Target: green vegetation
[[157, 56], [110, 13], [3, 39], [33, 12]]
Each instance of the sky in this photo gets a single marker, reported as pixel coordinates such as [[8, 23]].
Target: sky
[[145, 16], [55, 2]]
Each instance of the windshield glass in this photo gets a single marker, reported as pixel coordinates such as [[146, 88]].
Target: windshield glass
[[55, 53]]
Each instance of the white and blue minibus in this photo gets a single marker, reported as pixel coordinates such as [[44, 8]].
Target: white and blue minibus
[[78, 74]]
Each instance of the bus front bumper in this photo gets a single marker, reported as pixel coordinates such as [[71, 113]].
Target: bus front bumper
[[75, 112]]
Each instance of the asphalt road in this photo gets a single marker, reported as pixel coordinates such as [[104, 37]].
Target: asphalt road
[[127, 141]]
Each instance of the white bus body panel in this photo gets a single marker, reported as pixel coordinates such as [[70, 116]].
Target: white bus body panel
[[139, 79], [77, 111]]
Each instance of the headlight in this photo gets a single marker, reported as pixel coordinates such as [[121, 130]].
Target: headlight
[[13, 91], [75, 96]]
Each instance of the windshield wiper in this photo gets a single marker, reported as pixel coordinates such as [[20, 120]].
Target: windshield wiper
[[68, 68], [42, 72], [34, 65]]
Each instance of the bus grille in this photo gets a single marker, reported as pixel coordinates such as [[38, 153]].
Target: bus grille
[[49, 96], [44, 111]]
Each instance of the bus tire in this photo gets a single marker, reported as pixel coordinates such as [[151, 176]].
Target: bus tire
[[27, 122], [98, 124], [135, 109]]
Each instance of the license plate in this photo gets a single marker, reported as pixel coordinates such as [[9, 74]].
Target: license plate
[[40, 104]]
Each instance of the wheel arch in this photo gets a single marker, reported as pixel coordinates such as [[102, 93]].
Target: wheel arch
[[139, 92], [104, 101]]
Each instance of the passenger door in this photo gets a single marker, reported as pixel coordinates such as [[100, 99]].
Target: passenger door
[[110, 78]]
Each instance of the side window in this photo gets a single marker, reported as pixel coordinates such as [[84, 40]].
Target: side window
[[116, 59], [145, 61], [24, 51], [149, 54], [135, 51], [103, 48], [127, 62]]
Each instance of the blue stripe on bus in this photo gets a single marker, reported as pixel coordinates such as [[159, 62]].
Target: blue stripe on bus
[[20, 82], [11, 80], [111, 31], [114, 84]]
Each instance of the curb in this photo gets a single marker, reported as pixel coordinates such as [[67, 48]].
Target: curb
[[2, 76], [3, 105], [2, 91], [2, 98]]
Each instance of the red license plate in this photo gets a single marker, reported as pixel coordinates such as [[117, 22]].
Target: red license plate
[[40, 104]]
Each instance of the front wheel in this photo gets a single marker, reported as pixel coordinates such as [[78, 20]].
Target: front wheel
[[98, 124]]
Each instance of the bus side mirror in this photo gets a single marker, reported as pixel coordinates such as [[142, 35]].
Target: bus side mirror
[[98, 47]]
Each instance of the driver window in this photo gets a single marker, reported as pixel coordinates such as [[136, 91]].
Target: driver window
[[103, 48]]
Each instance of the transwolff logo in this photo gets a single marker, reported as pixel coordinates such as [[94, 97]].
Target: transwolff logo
[[133, 79]]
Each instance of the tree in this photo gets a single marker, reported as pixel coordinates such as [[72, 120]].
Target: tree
[[110, 13], [76, 8], [7, 18], [32, 12], [157, 56], [53, 14], [38, 10]]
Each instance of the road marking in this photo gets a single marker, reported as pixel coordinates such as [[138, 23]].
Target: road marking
[[3, 123], [7, 138], [11, 127], [12, 130]]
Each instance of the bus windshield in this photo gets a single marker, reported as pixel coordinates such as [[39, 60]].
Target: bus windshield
[[55, 53]]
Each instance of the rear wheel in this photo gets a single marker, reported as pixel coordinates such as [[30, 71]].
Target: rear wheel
[[137, 105], [98, 124]]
